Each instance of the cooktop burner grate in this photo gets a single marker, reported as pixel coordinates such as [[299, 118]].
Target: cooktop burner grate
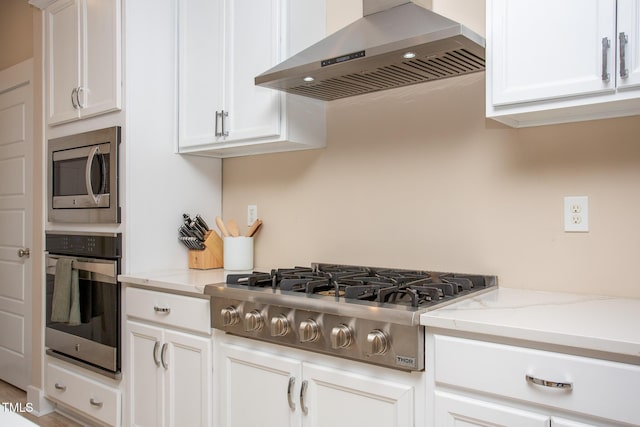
[[412, 288]]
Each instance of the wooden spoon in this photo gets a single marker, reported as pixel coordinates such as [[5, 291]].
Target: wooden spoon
[[233, 228], [223, 229], [254, 228]]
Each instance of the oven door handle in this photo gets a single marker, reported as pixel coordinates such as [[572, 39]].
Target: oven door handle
[[103, 270], [93, 153]]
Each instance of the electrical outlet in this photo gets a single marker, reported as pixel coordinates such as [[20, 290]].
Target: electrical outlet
[[252, 214], [576, 214]]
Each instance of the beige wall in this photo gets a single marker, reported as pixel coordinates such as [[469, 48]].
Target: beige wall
[[417, 177], [16, 32]]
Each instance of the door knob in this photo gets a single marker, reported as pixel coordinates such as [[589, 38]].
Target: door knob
[[24, 252]]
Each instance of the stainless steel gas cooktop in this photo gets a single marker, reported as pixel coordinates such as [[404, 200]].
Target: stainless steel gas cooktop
[[363, 313]]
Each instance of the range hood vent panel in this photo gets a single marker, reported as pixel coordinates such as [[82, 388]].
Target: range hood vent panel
[[367, 55]]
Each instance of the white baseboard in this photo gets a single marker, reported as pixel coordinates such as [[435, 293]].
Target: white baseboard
[[41, 405]]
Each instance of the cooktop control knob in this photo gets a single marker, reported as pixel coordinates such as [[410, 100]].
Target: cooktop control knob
[[253, 321], [341, 336], [230, 316], [378, 342], [279, 326], [309, 330]]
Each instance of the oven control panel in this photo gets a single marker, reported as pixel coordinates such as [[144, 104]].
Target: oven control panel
[[97, 245]]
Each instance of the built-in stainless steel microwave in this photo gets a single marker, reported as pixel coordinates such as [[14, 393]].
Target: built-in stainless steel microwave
[[83, 177]]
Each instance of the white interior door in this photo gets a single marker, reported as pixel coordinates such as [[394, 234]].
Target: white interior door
[[16, 204]]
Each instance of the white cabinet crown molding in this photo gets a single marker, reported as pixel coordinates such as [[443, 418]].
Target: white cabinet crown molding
[[41, 4]]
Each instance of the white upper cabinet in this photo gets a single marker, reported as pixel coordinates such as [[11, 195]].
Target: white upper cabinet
[[83, 59], [222, 47], [553, 62]]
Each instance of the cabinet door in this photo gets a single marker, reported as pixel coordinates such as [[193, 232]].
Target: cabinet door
[[458, 411], [629, 24], [201, 78], [146, 384], [252, 46], [264, 380], [187, 364], [342, 399], [546, 49], [100, 89], [62, 59]]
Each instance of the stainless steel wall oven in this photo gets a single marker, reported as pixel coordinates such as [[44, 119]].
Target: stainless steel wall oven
[[83, 299], [83, 177]]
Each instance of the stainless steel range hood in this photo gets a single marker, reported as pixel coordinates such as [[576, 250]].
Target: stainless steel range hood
[[397, 43]]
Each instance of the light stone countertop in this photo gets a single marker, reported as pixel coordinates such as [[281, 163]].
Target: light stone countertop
[[591, 322], [181, 280]]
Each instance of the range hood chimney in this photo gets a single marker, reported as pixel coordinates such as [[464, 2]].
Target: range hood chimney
[[397, 43]]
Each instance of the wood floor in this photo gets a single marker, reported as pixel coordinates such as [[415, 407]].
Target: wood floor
[[11, 394]]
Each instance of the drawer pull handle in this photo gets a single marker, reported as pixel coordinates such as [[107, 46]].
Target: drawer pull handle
[[60, 387], [550, 384], [95, 403], [157, 309]]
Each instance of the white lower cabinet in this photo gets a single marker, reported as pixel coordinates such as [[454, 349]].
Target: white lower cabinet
[[82, 391], [169, 370], [288, 387], [480, 383]]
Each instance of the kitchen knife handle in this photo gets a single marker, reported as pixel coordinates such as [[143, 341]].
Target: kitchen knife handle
[[303, 392], [155, 353], [550, 384], [605, 51], [292, 384], [624, 72], [163, 353]]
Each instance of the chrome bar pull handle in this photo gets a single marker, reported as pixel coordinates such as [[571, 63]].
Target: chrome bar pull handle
[[216, 133], [550, 384], [224, 116], [303, 392], [292, 384], [623, 41], [95, 403], [163, 355], [605, 50], [156, 346]]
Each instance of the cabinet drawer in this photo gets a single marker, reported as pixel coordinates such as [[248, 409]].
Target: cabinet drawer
[[599, 387], [177, 311], [85, 395]]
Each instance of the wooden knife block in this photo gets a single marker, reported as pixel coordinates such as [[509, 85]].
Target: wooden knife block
[[211, 256]]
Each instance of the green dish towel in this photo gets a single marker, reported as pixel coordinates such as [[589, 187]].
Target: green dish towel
[[65, 306]]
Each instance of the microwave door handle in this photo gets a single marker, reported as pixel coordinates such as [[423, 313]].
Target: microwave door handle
[[87, 173]]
